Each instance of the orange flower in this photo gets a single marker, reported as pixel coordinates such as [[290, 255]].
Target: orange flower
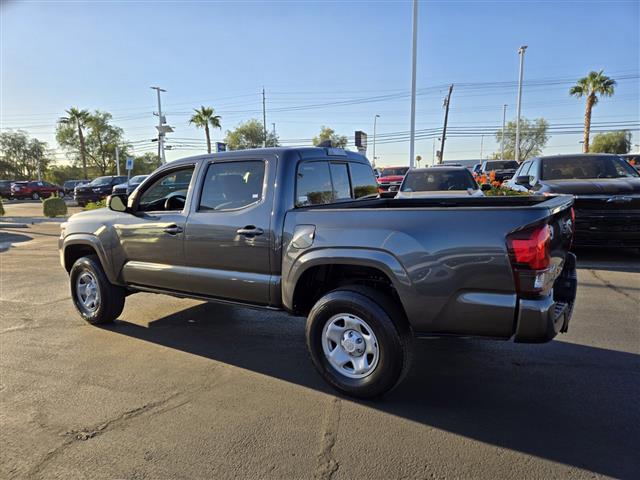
[[492, 176]]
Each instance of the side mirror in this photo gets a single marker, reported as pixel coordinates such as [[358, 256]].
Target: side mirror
[[117, 203], [523, 180], [485, 187]]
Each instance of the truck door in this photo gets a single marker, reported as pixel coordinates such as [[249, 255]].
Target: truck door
[[228, 233], [152, 237]]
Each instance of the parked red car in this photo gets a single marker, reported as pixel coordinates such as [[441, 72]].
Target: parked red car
[[389, 177], [35, 189]]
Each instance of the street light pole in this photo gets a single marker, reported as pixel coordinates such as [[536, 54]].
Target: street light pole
[[161, 156], [374, 139], [412, 159], [521, 53], [504, 117]]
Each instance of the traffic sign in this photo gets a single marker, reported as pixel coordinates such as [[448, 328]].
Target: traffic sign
[[129, 165]]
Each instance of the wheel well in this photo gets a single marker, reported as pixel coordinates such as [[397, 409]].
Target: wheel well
[[319, 280], [74, 252]]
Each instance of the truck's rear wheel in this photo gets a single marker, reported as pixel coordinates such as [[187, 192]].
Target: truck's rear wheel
[[359, 341], [95, 298]]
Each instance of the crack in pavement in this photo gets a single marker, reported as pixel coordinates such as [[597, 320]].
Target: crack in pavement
[[84, 434], [327, 464], [611, 285]]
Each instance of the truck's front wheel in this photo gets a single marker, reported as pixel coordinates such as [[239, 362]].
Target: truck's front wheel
[[95, 298], [359, 341]]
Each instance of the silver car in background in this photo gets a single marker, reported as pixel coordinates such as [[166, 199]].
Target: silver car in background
[[439, 182]]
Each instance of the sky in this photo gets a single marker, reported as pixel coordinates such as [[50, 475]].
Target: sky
[[334, 63]]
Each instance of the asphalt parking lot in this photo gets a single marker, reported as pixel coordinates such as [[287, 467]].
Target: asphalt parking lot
[[181, 389]]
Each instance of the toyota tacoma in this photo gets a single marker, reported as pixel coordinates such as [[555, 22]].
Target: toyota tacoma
[[303, 230]]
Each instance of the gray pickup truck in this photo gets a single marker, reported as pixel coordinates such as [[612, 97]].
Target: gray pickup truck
[[302, 230]]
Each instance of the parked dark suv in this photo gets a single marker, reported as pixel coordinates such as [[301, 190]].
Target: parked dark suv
[[98, 189], [606, 190], [70, 185], [5, 188], [35, 190]]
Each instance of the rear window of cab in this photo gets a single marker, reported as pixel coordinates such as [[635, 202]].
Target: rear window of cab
[[323, 182]]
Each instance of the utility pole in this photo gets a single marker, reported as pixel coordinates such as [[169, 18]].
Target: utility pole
[[39, 158], [161, 158], [264, 118], [433, 153], [273, 126], [504, 118], [521, 53], [414, 51], [117, 160], [447, 101], [374, 139], [481, 146]]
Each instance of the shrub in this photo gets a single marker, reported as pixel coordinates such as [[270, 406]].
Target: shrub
[[54, 207], [503, 192], [95, 205], [1, 208]]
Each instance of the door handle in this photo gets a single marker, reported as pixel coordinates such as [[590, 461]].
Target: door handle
[[173, 229], [250, 231]]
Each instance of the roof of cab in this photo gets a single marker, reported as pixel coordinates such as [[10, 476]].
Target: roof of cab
[[295, 153]]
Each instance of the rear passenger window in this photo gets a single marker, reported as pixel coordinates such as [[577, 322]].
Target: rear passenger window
[[313, 185], [232, 185], [340, 178], [363, 180]]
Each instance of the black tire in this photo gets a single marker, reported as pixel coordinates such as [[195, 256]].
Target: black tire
[[111, 296], [35, 196], [389, 325]]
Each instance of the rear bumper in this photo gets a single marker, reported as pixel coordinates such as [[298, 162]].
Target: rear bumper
[[540, 320]]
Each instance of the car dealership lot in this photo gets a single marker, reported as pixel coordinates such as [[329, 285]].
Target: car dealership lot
[[184, 389]]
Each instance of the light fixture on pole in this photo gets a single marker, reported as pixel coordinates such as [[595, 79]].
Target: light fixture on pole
[[412, 159], [375, 119], [521, 51]]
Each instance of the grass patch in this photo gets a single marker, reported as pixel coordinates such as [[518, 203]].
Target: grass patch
[[95, 205]]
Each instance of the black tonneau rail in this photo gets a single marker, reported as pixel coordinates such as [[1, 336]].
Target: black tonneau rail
[[516, 201]]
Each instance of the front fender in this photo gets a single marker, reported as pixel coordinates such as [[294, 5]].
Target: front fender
[[96, 244], [381, 260]]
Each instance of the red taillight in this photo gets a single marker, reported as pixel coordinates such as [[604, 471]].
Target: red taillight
[[531, 248]]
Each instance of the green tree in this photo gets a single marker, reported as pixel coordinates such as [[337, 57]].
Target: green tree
[[533, 138], [21, 156], [145, 163], [98, 141], [76, 119], [612, 142], [327, 133], [59, 174], [204, 117], [594, 84], [249, 134]]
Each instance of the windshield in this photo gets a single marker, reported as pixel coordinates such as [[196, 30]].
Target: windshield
[[509, 164], [393, 171], [433, 180], [100, 181], [586, 167]]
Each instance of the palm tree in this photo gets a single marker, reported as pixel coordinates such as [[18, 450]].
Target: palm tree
[[202, 118], [594, 84], [79, 119]]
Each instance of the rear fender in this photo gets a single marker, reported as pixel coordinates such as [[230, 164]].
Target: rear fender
[[377, 259]]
